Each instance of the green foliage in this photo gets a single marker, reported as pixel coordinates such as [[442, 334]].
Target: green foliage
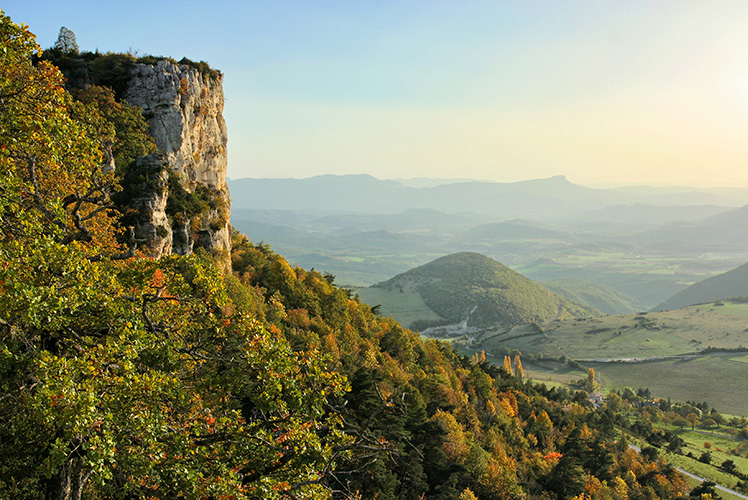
[[202, 67], [143, 378], [188, 203], [130, 128]]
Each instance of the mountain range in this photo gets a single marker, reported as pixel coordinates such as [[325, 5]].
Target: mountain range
[[538, 197], [646, 244]]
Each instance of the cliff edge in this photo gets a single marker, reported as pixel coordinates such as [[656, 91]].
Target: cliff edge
[[188, 204]]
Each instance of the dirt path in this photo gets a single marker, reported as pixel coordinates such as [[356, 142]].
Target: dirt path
[[698, 478], [717, 486]]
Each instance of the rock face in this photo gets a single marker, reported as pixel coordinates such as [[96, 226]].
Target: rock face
[[188, 204], [154, 226]]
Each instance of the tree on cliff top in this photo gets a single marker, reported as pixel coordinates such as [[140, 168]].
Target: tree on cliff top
[[66, 42]]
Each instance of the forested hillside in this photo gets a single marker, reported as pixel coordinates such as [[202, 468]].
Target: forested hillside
[[126, 376], [472, 288]]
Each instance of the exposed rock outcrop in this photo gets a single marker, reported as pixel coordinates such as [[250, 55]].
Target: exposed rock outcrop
[[153, 225], [184, 108]]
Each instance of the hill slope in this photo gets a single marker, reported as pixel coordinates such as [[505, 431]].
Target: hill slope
[[605, 298], [477, 291], [730, 284]]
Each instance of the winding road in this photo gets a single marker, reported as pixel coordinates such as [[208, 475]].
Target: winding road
[[699, 478]]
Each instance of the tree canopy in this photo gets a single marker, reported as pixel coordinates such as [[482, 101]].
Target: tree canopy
[[126, 377]]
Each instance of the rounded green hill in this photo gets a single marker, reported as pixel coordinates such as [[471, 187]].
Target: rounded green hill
[[475, 290]]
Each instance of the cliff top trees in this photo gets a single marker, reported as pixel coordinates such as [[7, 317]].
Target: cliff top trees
[[66, 42]]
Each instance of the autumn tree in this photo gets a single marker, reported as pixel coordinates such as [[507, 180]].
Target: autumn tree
[[508, 365], [591, 384], [692, 419], [50, 159]]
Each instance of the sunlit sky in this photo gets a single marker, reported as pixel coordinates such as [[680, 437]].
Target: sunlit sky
[[604, 92]]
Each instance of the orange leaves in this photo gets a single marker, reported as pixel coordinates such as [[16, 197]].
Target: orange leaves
[[282, 486], [552, 457], [159, 279], [283, 437]]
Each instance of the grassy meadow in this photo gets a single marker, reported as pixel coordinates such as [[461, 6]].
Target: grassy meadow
[[405, 307], [698, 353], [718, 379]]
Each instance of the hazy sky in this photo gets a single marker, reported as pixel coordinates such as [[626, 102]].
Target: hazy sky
[[600, 91]]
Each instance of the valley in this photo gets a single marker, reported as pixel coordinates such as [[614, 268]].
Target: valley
[[619, 252], [644, 245], [343, 337], [696, 353]]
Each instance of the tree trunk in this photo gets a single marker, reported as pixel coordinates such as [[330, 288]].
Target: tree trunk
[[69, 481]]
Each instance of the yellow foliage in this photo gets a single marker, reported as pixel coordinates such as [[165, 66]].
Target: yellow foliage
[[467, 494], [508, 365], [508, 398], [455, 443], [506, 407]]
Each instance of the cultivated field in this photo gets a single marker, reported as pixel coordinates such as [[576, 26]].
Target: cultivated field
[[680, 354], [405, 307]]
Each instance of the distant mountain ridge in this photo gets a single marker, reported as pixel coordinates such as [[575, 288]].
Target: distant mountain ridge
[[364, 193], [536, 197]]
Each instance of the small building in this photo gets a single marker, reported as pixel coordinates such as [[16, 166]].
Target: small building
[[596, 398]]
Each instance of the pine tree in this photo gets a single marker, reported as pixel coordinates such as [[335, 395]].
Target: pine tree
[[66, 42]]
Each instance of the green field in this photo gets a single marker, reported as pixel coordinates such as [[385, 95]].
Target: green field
[[670, 333], [728, 308], [552, 373], [672, 348], [721, 447], [716, 379], [405, 307]]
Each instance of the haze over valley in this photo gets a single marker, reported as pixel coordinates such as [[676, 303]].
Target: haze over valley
[[644, 243]]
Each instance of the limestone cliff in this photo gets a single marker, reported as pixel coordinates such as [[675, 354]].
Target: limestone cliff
[[188, 205]]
